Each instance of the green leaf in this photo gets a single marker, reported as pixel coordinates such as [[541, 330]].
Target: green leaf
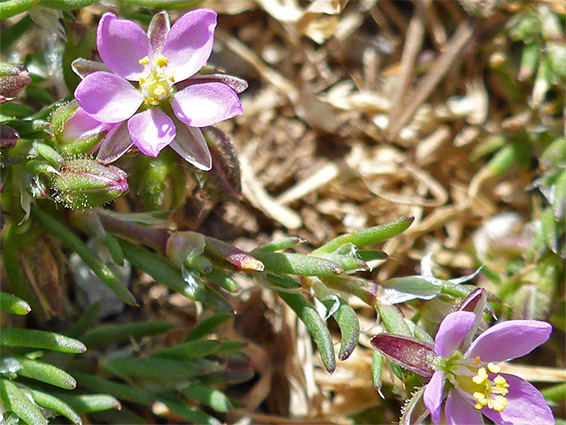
[[13, 304], [89, 403], [108, 334], [212, 398], [165, 273], [58, 406], [15, 400], [120, 391], [368, 237], [59, 230], [11, 8], [40, 339], [281, 244], [208, 326], [45, 372], [297, 264], [189, 413], [376, 371], [160, 368], [162, 4], [344, 315], [223, 280], [307, 313], [67, 4], [190, 350]]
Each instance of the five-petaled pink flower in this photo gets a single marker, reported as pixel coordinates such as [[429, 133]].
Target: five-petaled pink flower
[[464, 375], [140, 92]]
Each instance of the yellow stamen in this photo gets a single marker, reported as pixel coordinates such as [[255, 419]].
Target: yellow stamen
[[144, 61], [493, 368], [476, 361], [481, 377], [160, 61]]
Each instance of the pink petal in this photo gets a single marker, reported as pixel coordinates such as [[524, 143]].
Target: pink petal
[[192, 147], [452, 332], [115, 144], [81, 126], [121, 45], [235, 83], [509, 340], [201, 105], [151, 131], [433, 395], [108, 97], [526, 405], [459, 411], [189, 42]]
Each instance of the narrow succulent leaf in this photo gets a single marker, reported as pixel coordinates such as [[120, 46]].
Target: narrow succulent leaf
[[47, 401], [108, 334], [67, 4], [554, 393], [413, 287], [162, 369], [229, 347], [344, 315], [190, 350], [223, 280], [15, 400], [298, 264], [90, 403], [372, 254], [281, 244], [99, 268], [165, 273], [120, 391], [40, 339], [199, 263], [376, 371], [187, 412], [393, 320], [12, 304], [410, 353], [233, 255], [368, 237], [210, 397], [207, 326], [45, 372], [346, 262], [88, 319], [364, 289], [414, 411], [316, 326]]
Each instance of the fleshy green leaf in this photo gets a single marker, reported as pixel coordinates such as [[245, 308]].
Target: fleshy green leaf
[[40, 339]]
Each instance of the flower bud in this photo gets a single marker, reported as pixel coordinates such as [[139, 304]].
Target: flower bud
[[8, 137], [13, 79], [86, 183], [75, 132]]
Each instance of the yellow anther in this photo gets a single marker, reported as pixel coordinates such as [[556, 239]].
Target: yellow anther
[[480, 398], [160, 61], [476, 361], [500, 381], [481, 377], [144, 61], [493, 368], [500, 403]]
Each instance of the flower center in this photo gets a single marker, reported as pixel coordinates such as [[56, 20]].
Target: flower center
[[471, 376], [158, 84]]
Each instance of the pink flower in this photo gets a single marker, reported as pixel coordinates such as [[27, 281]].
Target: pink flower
[[139, 92], [464, 375]]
